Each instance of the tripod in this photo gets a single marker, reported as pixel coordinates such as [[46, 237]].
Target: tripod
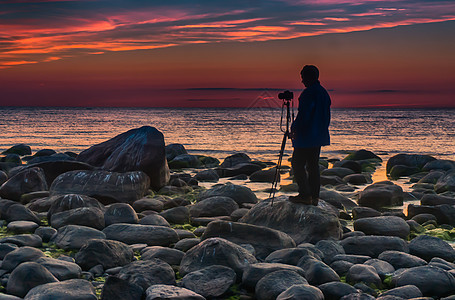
[[289, 119]]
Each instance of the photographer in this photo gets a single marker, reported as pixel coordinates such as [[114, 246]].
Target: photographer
[[309, 131]]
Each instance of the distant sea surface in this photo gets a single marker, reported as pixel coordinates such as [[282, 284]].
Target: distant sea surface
[[221, 132]]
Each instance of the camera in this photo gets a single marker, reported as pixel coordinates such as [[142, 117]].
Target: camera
[[286, 96]]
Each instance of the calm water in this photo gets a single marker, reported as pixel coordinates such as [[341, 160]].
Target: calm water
[[220, 132]]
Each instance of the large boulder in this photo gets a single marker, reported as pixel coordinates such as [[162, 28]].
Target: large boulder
[[381, 194], [213, 207], [446, 182], [145, 273], [140, 149], [73, 289], [107, 187], [27, 181], [240, 194], [107, 253], [84, 216], [304, 223], [216, 251], [427, 247], [410, 160], [263, 239], [141, 234], [373, 245], [384, 225]]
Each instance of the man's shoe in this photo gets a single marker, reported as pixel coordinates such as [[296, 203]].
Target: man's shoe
[[300, 199], [315, 201]]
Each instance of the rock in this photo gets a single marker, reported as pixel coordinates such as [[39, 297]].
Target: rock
[[18, 212], [337, 199], [355, 259], [73, 289], [141, 234], [66, 202], [433, 200], [304, 223], [238, 213], [216, 251], [6, 248], [107, 253], [162, 291], [145, 273], [185, 161], [148, 204], [40, 205], [445, 214], [362, 155], [3, 177], [106, 187], [240, 194], [51, 158], [288, 256], [19, 149], [373, 245], [242, 169], [176, 215], [120, 213], [445, 183], [27, 276], [73, 237], [431, 177], [431, 281], [207, 176], [381, 194], [398, 171], [301, 292], [235, 159], [330, 248], [45, 233], [22, 240], [273, 284], [173, 150], [382, 267], [214, 206], [116, 288], [384, 225], [406, 292], [154, 219], [364, 273], [208, 161], [169, 255], [8, 297], [27, 181], [186, 244], [317, 272], [255, 272], [335, 290], [341, 267], [22, 227], [357, 179], [422, 218], [337, 171], [360, 296], [439, 164], [213, 281], [20, 255], [410, 160], [427, 247], [350, 164], [364, 212], [263, 239], [269, 175], [12, 158], [85, 216]]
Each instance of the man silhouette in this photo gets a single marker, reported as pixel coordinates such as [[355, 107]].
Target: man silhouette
[[309, 131]]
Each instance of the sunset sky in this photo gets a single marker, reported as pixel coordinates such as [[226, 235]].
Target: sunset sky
[[212, 53]]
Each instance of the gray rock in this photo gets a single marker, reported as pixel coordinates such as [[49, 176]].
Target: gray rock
[[445, 213], [265, 175], [213, 281], [107, 253], [301, 292], [73, 237], [330, 248], [216, 251], [84, 216], [357, 179], [410, 160], [6, 248], [238, 213], [431, 177], [341, 267], [185, 161], [240, 194], [263, 239], [433, 200], [107, 187], [173, 150], [383, 267], [373, 245], [9, 297], [154, 219], [360, 296], [73, 289], [20, 255], [176, 215], [66, 202], [364, 212], [27, 276], [255, 272], [22, 227], [213, 207], [337, 171], [431, 281], [18, 212], [26, 181], [381, 194], [116, 288], [335, 290], [384, 225], [401, 260], [145, 273], [235, 159], [355, 259], [304, 223], [289, 256], [141, 234], [422, 218], [207, 176], [405, 292], [20, 149], [445, 183], [273, 284], [162, 291], [364, 273], [398, 171], [317, 272], [22, 240], [45, 233], [186, 244], [62, 270], [439, 164], [120, 213], [336, 199], [148, 204], [427, 247], [169, 255]]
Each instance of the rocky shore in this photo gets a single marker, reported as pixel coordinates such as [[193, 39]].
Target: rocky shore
[[130, 219]]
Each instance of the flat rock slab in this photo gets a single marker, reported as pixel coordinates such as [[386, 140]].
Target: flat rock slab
[[141, 234]]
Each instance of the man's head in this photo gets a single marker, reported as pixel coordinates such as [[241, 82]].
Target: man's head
[[309, 74]]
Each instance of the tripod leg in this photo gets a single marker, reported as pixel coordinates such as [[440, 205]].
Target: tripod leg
[[278, 166]]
